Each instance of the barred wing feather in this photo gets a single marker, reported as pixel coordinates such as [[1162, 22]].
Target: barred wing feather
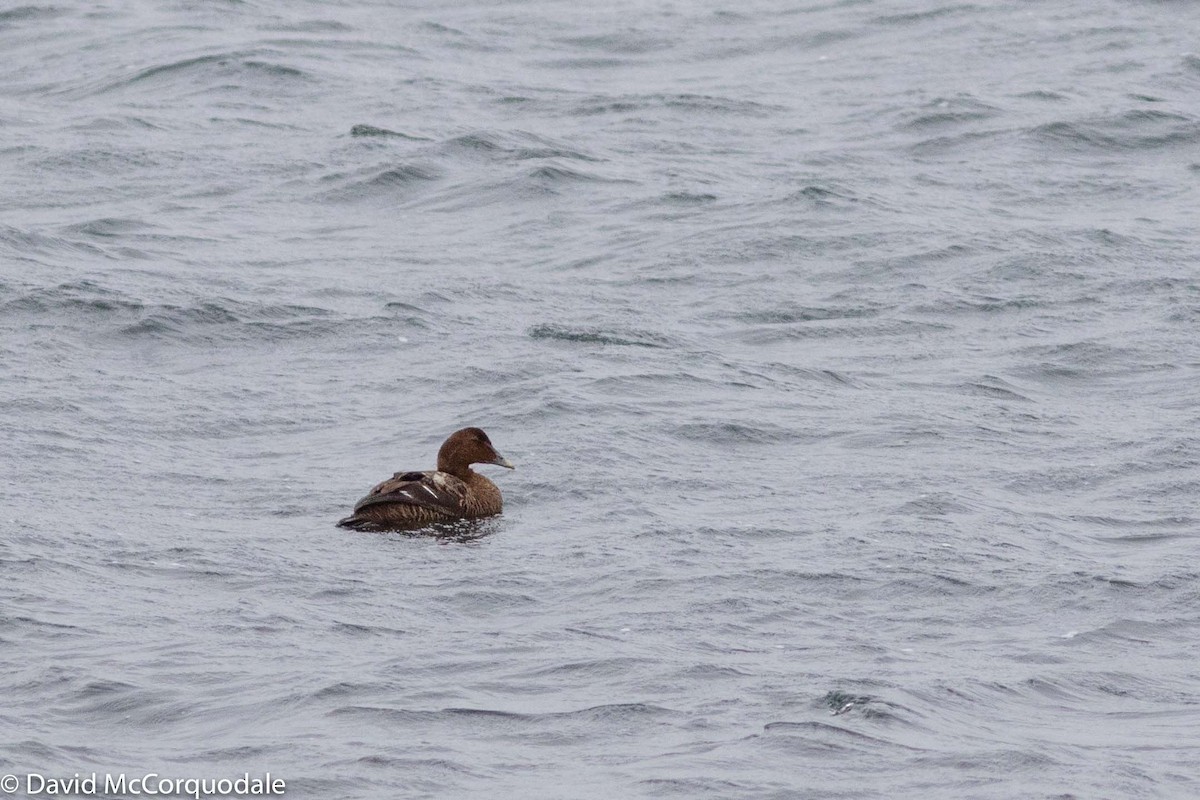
[[436, 491]]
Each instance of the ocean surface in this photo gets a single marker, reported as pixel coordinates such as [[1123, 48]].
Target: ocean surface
[[848, 353]]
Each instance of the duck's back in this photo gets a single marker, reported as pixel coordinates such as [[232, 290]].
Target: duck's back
[[415, 499]]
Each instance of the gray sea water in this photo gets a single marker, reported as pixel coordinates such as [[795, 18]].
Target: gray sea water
[[847, 352]]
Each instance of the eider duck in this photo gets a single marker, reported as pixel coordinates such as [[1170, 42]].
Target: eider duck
[[451, 492]]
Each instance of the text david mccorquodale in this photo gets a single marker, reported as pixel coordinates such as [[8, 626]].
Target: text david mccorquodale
[[150, 784]]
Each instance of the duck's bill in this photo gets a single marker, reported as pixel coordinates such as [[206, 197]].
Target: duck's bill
[[501, 461]]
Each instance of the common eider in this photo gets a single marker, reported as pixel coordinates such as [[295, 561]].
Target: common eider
[[451, 492]]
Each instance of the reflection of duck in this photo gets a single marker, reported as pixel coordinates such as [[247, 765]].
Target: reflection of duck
[[452, 491]]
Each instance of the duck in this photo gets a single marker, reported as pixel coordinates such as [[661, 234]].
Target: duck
[[451, 492]]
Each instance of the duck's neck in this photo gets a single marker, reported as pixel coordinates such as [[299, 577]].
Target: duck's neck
[[461, 471]]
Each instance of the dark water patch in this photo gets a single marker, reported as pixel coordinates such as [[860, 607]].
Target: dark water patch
[[517, 146], [598, 668], [1043, 95], [68, 758], [239, 754], [839, 702], [852, 330], [990, 304], [908, 436], [827, 738], [45, 628], [867, 707], [440, 27], [204, 71], [478, 142], [531, 153], [490, 599], [467, 531], [117, 124], [181, 322], [556, 175], [1132, 131], [919, 17], [205, 321], [941, 113], [790, 315], [708, 672], [1189, 70], [93, 161], [74, 297], [107, 227], [697, 103], [459, 39], [790, 375], [19, 241], [699, 787], [618, 714], [436, 766], [11, 17], [686, 198], [652, 382], [583, 64], [356, 630], [922, 259], [995, 388], [735, 433], [344, 689], [1137, 539], [627, 42], [952, 143], [308, 26], [390, 183], [409, 314], [368, 131], [717, 104], [803, 42], [1080, 362], [933, 506], [102, 700], [1135, 532], [823, 197], [578, 335]]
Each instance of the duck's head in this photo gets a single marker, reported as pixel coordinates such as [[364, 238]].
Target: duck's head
[[466, 447]]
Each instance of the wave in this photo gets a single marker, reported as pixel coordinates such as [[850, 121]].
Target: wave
[[103, 311], [580, 335], [1131, 131], [391, 182]]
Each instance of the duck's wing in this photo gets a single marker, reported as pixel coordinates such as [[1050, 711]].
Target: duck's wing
[[437, 491]]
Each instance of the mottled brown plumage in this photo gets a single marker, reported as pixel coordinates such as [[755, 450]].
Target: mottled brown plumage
[[452, 491]]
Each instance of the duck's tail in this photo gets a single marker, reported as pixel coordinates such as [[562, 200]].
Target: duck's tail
[[356, 523]]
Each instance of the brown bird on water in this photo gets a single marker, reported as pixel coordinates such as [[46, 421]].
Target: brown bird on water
[[453, 491]]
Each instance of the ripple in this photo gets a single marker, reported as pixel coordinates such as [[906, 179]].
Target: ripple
[[793, 314], [600, 336], [369, 131], [1136, 130], [191, 66], [698, 103], [732, 433], [824, 737], [391, 183]]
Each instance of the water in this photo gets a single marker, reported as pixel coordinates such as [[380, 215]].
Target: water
[[847, 354]]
